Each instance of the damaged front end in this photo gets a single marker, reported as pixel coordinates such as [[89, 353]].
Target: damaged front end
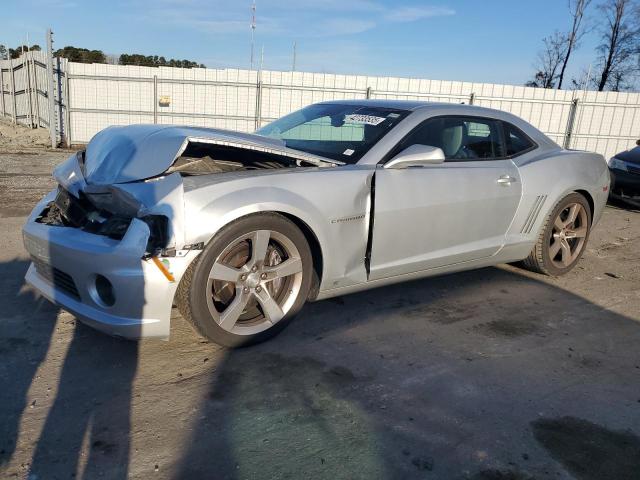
[[107, 213], [110, 243]]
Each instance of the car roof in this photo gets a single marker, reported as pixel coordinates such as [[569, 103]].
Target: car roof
[[397, 104], [415, 106]]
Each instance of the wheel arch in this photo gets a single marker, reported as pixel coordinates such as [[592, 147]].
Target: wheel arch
[[587, 195], [316, 250]]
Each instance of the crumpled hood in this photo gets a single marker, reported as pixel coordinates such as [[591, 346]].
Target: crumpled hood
[[136, 152]]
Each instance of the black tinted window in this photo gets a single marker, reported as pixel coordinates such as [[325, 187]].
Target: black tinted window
[[460, 138], [516, 141]]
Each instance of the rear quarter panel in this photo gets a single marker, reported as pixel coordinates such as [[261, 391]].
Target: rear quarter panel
[[549, 177]]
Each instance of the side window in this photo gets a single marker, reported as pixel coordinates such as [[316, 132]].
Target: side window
[[516, 141], [460, 138]]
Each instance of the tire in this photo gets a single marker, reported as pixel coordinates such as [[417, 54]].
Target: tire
[[571, 216], [258, 270]]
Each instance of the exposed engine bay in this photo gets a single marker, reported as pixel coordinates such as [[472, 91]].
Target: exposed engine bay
[[206, 158]]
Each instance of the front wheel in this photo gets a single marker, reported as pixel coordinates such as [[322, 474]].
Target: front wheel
[[249, 282], [563, 238]]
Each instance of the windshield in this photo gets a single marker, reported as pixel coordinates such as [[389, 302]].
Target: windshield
[[339, 132]]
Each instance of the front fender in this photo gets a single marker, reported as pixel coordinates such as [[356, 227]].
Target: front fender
[[338, 220], [204, 223]]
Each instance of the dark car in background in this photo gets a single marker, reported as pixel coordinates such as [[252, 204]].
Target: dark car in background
[[625, 176]]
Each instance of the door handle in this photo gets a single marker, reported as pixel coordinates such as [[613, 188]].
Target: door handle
[[506, 180]]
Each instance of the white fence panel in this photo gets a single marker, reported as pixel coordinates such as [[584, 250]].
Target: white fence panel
[[90, 97], [607, 122], [24, 91]]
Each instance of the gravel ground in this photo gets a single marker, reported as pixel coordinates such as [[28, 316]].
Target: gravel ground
[[24, 180], [490, 374]]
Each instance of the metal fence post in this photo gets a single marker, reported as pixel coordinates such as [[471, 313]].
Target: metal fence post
[[258, 116], [61, 122], [4, 110], [571, 123], [27, 75], [155, 99], [34, 69], [13, 92], [50, 89], [367, 94], [67, 104]]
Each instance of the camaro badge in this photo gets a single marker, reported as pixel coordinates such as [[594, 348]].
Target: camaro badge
[[347, 219]]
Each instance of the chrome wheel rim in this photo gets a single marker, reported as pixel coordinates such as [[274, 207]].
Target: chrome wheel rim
[[569, 234], [254, 282]]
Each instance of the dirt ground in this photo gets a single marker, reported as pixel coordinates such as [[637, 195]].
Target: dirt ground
[[17, 138], [495, 374]]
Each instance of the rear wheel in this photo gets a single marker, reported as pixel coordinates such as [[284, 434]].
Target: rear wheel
[[563, 238], [249, 282]]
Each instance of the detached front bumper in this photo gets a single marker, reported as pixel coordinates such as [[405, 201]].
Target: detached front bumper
[[68, 263]]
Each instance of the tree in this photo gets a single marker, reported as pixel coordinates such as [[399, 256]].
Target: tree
[[619, 43], [4, 54], [16, 52], [81, 55], [156, 61], [549, 61], [577, 9]]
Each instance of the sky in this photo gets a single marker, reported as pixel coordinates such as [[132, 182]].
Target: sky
[[493, 41]]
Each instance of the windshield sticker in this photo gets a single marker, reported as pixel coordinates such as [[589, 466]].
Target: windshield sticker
[[348, 152], [364, 119]]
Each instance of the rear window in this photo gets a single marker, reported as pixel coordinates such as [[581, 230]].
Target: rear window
[[516, 141]]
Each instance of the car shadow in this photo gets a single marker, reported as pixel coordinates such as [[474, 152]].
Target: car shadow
[[24, 342], [486, 374], [87, 426], [470, 375]]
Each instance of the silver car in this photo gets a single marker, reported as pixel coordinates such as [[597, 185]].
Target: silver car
[[240, 230]]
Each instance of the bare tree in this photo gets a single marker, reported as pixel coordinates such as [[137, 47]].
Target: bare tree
[[618, 49], [577, 9], [550, 59]]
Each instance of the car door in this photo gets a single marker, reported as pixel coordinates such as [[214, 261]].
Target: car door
[[447, 213]]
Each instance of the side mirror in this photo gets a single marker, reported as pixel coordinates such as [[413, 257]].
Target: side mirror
[[416, 156], [638, 143]]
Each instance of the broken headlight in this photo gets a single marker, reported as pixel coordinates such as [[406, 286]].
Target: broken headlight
[[158, 232]]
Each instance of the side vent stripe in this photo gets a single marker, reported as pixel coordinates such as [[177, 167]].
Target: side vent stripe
[[533, 214]]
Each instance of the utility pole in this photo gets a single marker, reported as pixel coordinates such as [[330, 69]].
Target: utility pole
[[253, 29], [293, 66]]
